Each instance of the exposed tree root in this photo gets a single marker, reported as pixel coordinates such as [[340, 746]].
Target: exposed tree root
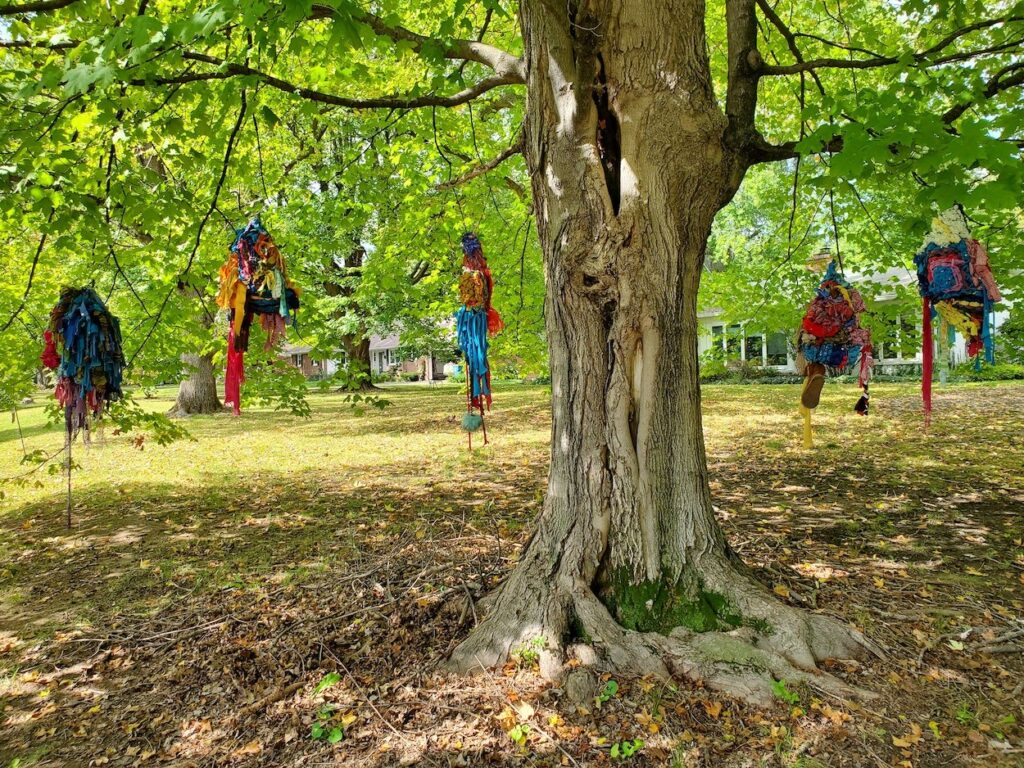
[[742, 663]]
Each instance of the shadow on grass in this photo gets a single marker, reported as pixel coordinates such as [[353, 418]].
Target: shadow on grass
[[179, 615]]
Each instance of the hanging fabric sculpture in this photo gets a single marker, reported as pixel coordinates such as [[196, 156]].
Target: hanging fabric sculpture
[[474, 322], [253, 281], [831, 337], [957, 287], [83, 344]]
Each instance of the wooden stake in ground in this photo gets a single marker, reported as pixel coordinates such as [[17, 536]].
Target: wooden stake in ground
[[68, 439]]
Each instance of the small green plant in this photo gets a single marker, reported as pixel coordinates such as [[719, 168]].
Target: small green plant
[[519, 733], [323, 729], [623, 750], [1001, 725], [331, 678], [528, 654], [610, 689], [965, 715], [782, 692]]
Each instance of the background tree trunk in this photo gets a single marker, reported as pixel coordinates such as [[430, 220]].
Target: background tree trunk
[[357, 350], [626, 148], [356, 345], [198, 392]]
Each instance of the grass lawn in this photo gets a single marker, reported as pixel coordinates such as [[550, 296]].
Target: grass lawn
[[221, 601]]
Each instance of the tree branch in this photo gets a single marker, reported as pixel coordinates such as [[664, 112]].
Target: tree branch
[[31, 275], [744, 63], [480, 170], [790, 38], [996, 85], [202, 225], [1008, 77], [503, 64], [228, 70], [13, 9], [925, 56]]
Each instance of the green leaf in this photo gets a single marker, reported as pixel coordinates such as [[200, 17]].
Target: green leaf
[[331, 678]]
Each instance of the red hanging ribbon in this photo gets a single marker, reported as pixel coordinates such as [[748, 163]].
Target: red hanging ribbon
[[234, 376], [926, 360]]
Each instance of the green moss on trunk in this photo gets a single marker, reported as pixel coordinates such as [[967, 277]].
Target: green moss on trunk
[[661, 606]]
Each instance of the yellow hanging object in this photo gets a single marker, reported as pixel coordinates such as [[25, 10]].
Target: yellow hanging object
[[806, 413]]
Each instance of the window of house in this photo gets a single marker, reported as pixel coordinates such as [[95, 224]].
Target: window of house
[[717, 332], [753, 351], [733, 340], [777, 349]]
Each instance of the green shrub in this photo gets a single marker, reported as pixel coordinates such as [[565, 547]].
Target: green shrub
[[997, 372]]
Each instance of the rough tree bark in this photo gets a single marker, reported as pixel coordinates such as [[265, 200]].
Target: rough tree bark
[[198, 392], [357, 344], [357, 351], [630, 158]]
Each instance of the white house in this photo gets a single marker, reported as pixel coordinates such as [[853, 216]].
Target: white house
[[775, 349]]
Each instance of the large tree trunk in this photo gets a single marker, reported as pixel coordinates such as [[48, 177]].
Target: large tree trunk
[[198, 392], [356, 345], [357, 352], [626, 148]]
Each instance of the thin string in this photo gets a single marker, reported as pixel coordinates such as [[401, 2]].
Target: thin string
[[259, 154], [437, 145], [835, 228]]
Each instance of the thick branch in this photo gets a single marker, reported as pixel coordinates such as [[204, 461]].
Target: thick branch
[[228, 70], [763, 151], [925, 56], [1008, 77], [37, 45], [42, 6], [790, 38], [996, 85], [480, 170], [502, 62], [744, 63]]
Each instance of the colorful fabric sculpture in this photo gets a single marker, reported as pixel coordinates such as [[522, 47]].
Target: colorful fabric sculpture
[[474, 322], [956, 285], [831, 337], [83, 344], [253, 281]]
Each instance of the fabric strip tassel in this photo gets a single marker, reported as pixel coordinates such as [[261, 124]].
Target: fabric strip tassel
[[926, 360], [986, 332], [806, 413], [234, 376]]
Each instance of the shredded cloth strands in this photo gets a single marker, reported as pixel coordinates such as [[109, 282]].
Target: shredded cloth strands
[[831, 337], [253, 281], [83, 344], [474, 322], [956, 285]]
